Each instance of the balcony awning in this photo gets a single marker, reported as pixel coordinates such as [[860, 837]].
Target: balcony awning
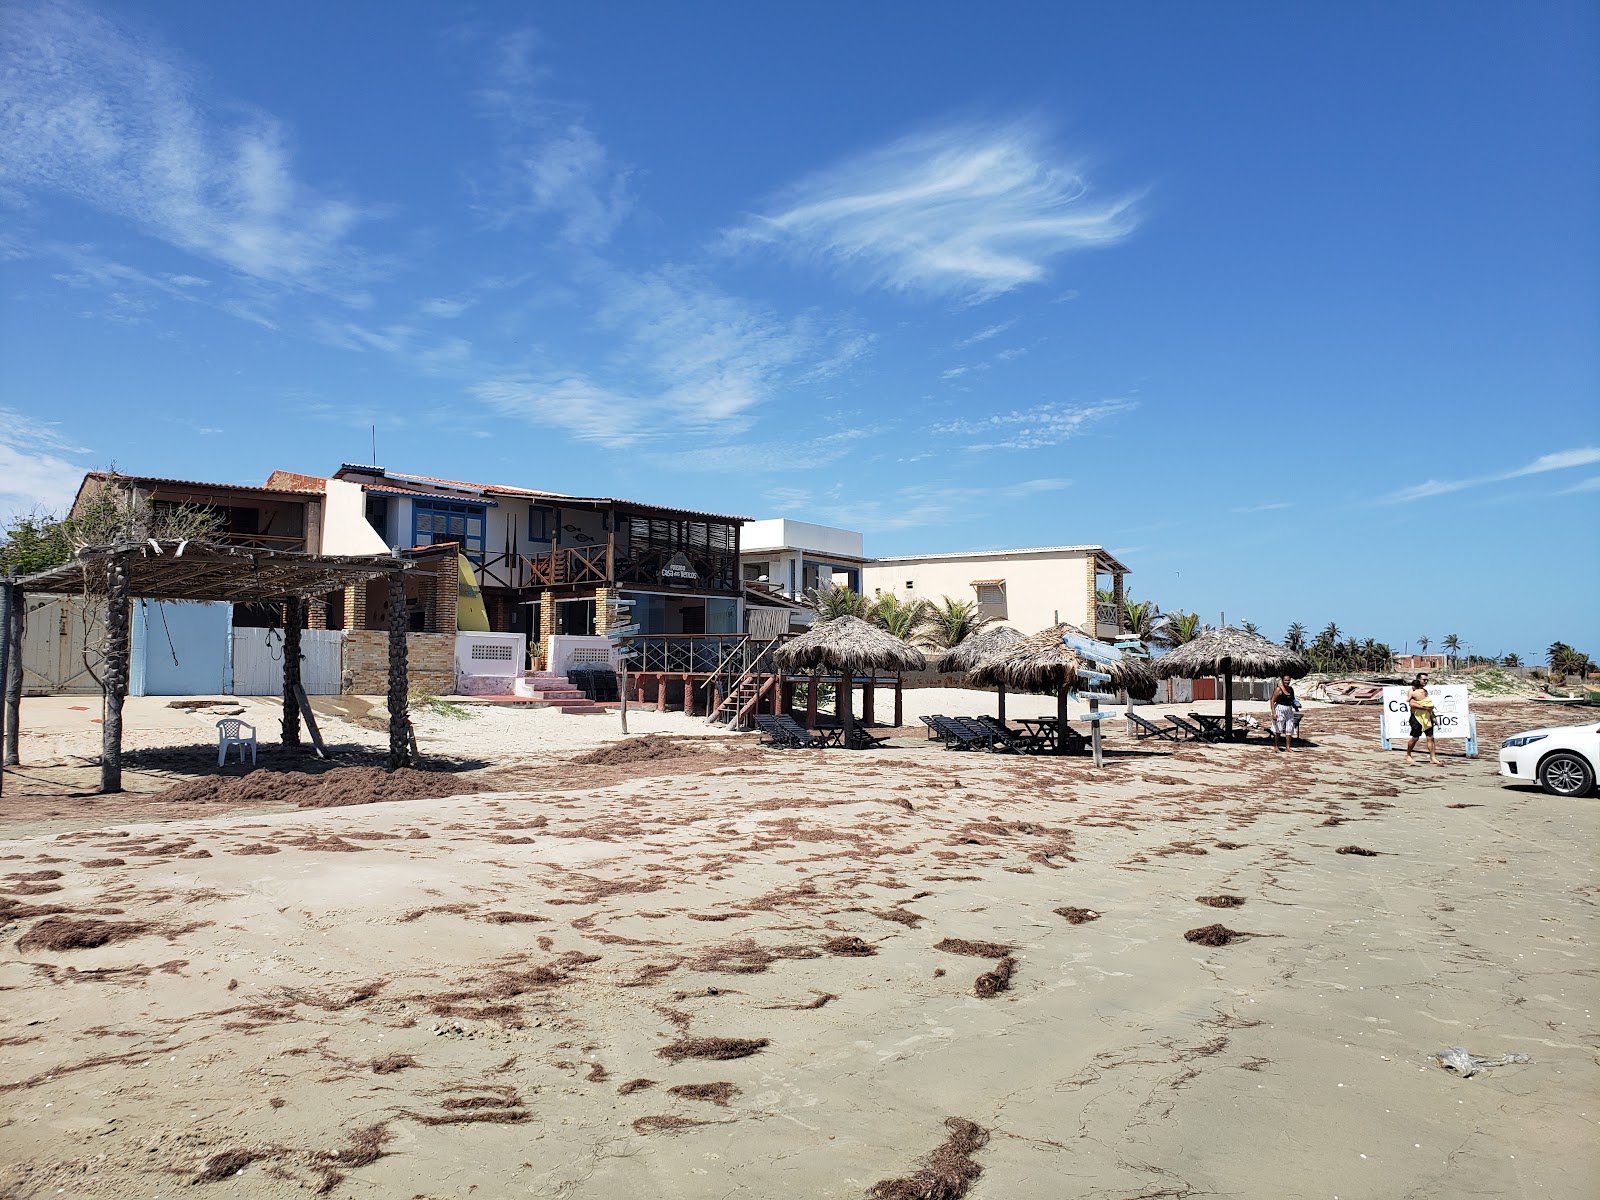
[[988, 583]]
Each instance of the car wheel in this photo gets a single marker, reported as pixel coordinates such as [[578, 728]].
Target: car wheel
[[1566, 774]]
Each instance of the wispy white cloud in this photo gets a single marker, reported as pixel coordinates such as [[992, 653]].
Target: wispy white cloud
[[764, 457], [1591, 484], [845, 505], [1256, 508], [550, 163], [967, 210], [1559, 460], [983, 335], [689, 358], [1033, 487], [440, 307], [1032, 428], [93, 109], [33, 471]]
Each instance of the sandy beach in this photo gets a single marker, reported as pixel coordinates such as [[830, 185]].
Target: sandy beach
[[724, 971]]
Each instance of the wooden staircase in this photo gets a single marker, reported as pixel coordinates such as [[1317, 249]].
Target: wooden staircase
[[744, 700]]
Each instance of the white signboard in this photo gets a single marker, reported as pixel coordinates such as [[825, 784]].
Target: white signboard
[[1450, 716]]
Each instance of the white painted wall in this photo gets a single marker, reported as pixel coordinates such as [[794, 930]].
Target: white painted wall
[[822, 541], [1038, 586], [344, 526]]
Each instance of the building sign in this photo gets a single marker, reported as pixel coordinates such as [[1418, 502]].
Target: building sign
[[678, 570], [1451, 719]]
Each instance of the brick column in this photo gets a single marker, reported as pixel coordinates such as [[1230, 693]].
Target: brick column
[[447, 596], [547, 625], [602, 615], [1089, 621]]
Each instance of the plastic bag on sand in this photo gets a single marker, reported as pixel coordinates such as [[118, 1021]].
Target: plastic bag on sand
[[1455, 1058]]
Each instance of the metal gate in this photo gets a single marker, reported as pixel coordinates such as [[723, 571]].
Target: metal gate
[[258, 662], [56, 629]]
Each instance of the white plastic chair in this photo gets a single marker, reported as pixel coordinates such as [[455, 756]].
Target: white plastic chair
[[228, 734]]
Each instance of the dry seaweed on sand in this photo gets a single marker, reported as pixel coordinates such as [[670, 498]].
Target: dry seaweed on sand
[[1220, 901], [1078, 916], [975, 949], [635, 1085], [221, 1166], [1215, 935], [817, 1001], [649, 748], [718, 1093], [993, 982], [665, 1123], [716, 1048], [949, 1171], [60, 933], [1360, 850], [849, 947], [391, 1063], [365, 1147]]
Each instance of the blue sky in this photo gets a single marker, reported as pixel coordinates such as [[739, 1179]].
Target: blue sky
[[1295, 309]]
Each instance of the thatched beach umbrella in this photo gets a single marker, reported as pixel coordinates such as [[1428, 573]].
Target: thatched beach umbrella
[[1043, 663], [847, 645], [1229, 652], [981, 645]]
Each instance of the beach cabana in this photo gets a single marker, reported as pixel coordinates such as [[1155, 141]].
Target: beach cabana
[[1042, 663], [847, 645], [1228, 652], [981, 645]]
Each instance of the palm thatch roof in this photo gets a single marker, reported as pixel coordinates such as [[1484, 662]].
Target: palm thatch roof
[[978, 647], [1043, 663], [1230, 651], [848, 644]]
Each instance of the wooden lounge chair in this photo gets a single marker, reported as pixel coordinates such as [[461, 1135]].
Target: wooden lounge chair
[[862, 738], [808, 739], [1008, 738], [933, 729], [958, 737], [1149, 729], [1191, 731], [774, 735]]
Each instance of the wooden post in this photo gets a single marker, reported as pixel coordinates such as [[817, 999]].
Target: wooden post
[[8, 601], [811, 702], [1061, 721], [1094, 735], [1227, 685], [11, 657], [1002, 713], [399, 726], [844, 699], [118, 649], [293, 611], [869, 700], [899, 700], [661, 691]]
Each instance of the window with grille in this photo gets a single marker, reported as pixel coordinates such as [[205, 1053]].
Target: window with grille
[[436, 521]]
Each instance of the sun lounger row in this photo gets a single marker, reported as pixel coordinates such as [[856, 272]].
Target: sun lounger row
[[992, 735], [785, 733]]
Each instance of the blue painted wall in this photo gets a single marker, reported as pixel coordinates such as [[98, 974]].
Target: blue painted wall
[[181, 648]]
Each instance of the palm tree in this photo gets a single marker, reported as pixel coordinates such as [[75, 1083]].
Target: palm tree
[[1331, 634], [835, 601], [1178, 627], [903, 618], [1249, 627], [1511, 660], [1451, 643], [950, 622], [1423, 643], [1140, 617], [1295, 639]]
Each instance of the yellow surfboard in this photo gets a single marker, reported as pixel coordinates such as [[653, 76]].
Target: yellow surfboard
[[471, 615]]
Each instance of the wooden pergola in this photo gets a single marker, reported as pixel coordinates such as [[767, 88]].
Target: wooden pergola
[[207, 571]]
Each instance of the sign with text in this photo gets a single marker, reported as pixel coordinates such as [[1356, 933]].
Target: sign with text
[[1094, 651], [1451, 719], [679, 570]]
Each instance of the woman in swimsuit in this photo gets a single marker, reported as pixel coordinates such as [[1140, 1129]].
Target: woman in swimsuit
[[1421, 717]]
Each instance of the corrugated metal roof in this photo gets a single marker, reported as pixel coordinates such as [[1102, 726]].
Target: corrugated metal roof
[[201, 483], [988, 583], [506, 490]]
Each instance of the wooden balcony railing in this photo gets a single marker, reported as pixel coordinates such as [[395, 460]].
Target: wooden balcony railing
[[1106, 614], [599, 566]]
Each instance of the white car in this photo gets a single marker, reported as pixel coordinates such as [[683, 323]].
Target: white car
[[1564, 761]]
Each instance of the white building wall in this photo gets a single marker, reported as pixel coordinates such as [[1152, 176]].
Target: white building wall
[[344, 525], [1038, 587], [822, 540]]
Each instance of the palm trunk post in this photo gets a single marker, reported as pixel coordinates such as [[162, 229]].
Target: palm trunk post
[[1227, 687], [844, 701], [1061, 721]]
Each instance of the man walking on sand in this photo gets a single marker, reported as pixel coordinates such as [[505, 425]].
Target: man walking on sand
[[1421, 705]]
